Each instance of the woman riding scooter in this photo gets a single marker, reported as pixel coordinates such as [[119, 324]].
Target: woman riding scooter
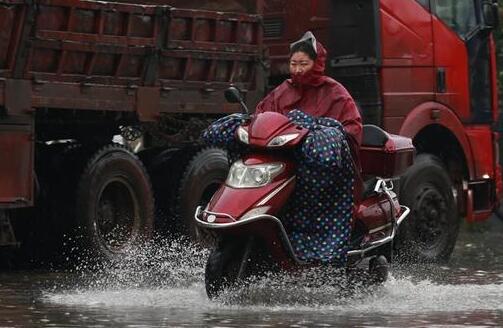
[[314, 93], [318, 216]]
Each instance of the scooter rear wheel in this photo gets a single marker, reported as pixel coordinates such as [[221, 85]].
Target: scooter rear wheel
[[378, 270]]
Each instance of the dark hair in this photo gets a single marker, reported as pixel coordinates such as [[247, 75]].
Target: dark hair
[[305, 48]]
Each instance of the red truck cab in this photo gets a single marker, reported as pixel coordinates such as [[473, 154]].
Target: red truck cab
[[425, 69]]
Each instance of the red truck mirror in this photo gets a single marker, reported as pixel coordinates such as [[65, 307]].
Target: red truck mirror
[[491, 14]]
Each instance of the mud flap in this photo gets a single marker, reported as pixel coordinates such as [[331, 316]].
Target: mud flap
[[7, 237], [16, 173]]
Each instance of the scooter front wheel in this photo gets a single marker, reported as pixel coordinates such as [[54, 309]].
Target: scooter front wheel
[[223, 268]]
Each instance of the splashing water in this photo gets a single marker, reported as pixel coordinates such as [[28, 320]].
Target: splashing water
[[160, 264], [171, 275], [162, 284]]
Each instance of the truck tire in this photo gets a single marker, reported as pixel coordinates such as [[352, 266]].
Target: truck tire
[[429, 233], [202, 177], [114, 204]]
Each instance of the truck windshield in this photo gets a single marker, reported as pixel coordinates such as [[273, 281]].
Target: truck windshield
[[458, 14]]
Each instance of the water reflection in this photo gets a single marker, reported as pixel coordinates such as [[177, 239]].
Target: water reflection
[[163, 286]]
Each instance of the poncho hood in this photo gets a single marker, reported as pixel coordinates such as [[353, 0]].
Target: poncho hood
[[316, 76]]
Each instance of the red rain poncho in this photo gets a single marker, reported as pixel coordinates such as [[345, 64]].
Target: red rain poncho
[[317, 95]]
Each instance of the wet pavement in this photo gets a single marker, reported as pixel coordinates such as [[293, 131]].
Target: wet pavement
[[164, 287]]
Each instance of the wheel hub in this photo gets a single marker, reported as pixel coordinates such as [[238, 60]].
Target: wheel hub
[[115, 215], [430, 216]]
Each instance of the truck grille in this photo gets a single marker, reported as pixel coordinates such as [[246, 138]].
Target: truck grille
[[273, 27]]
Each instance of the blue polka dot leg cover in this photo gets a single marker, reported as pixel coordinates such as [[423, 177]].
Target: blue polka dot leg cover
[[318, 215], [318, 219]]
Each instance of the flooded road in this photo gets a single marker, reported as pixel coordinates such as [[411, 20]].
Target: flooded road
[[163, 287]]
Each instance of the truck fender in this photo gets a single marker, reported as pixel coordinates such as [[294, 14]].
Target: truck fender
[[435, 113]]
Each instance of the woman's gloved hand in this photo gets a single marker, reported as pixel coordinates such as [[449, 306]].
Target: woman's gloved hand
[[222, 132], [302, 119], [325, 144]]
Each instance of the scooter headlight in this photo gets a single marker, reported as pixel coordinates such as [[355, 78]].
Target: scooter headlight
[[243, 135], [252, 176], [282, 140]]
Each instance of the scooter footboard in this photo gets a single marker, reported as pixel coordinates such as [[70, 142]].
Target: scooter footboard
[[267, 228]]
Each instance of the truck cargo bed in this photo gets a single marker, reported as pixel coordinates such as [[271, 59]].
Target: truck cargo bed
[[108, 56]]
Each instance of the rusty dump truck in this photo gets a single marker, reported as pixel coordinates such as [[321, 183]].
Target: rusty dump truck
[[101, 108]]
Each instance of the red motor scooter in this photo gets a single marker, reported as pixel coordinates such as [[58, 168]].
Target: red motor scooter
[[244, 215]]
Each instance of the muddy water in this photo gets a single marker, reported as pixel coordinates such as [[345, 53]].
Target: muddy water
[[163, 287]]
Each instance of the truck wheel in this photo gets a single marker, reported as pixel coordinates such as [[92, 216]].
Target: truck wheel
[[115, 203], [203, 176], [430, 232]]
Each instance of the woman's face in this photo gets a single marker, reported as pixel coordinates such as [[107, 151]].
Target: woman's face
[[300, 63]]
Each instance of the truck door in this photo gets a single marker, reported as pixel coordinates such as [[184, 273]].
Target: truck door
[[462, 59], [407, 59]]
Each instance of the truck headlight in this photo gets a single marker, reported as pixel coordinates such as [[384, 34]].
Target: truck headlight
[[252, 176], [243, 135]]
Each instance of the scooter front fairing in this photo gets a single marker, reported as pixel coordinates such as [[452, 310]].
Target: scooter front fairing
[[239, 211], [256, 184]]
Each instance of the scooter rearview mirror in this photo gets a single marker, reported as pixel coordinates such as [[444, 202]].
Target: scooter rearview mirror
[[233, 95]]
